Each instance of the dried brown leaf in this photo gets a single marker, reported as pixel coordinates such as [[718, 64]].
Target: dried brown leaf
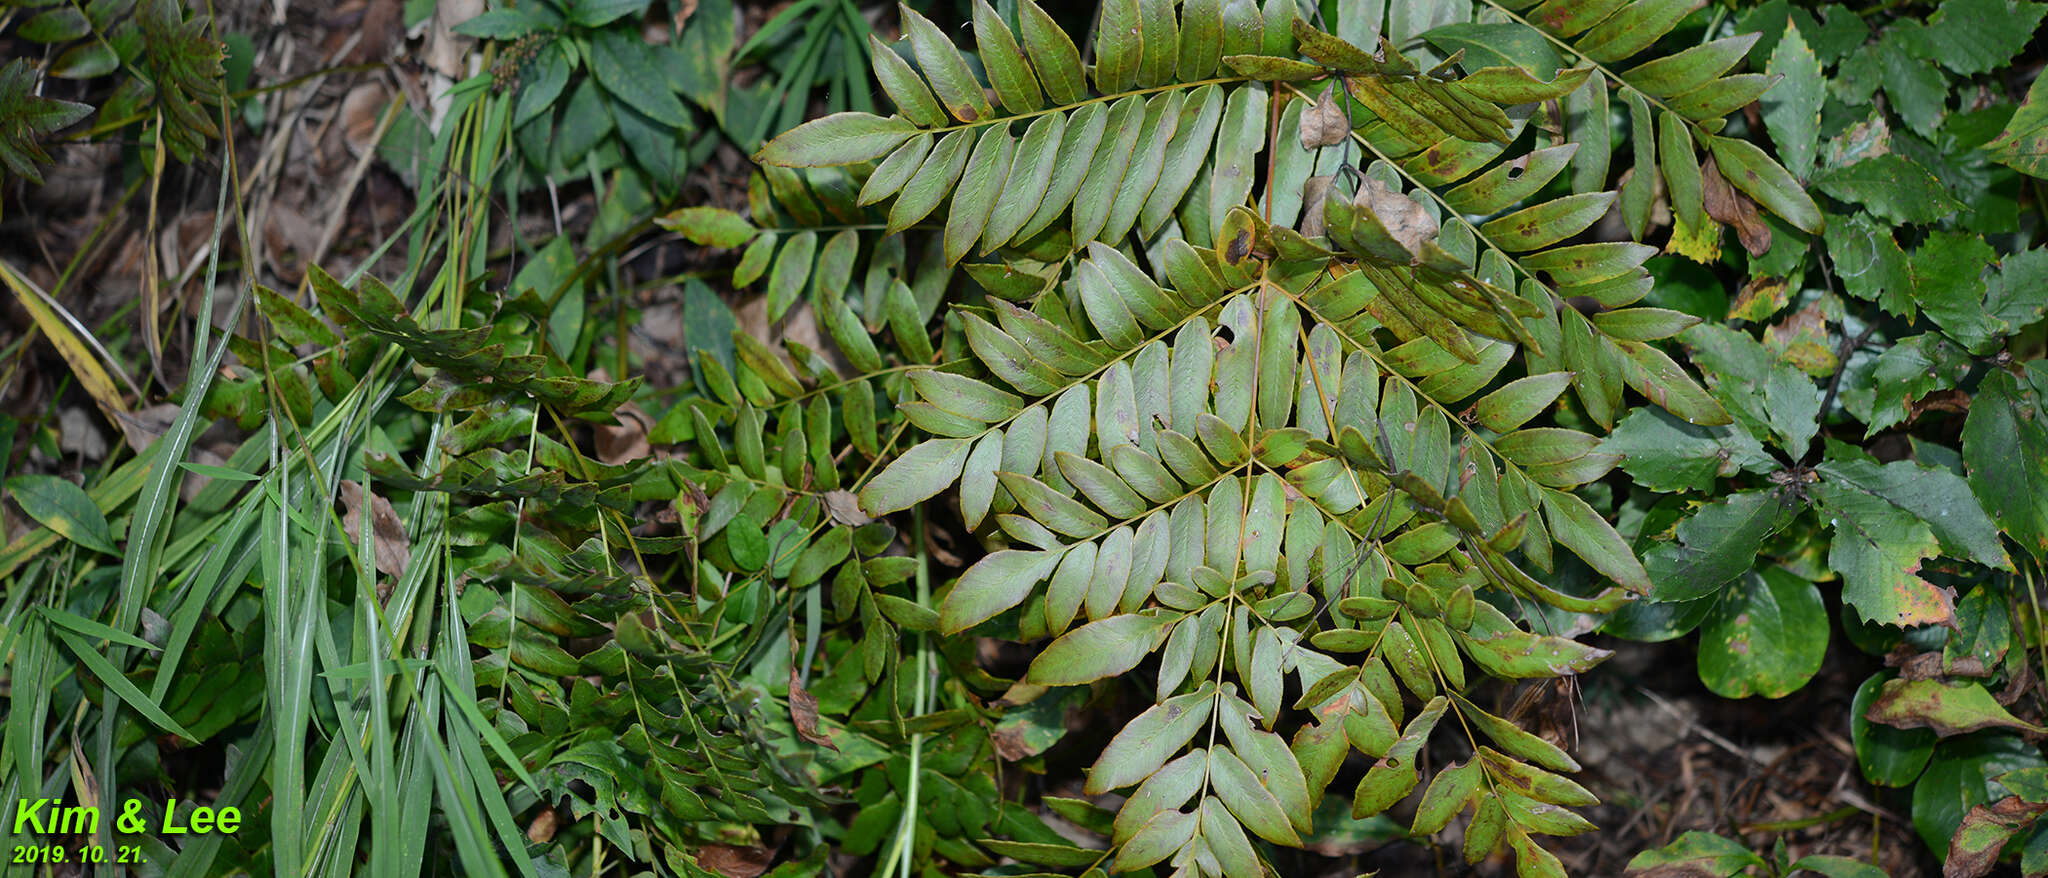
[[392, 548], [803, 711], [1314, 191], [1732, 208], [844, 507], [627, 440], [1404, 219], [733, 861], [1323, 122]]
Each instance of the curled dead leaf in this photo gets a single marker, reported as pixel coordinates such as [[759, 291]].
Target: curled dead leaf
[[542, 829], [1323, 122], [803, 711], [1732, 208], [1314, 191], [844, 507], [1405, 220], [627, 440], [391, 549]]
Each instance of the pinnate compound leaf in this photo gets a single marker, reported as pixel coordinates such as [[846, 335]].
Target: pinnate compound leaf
[[838, 139], [1748, 168], [1577, 527], [709, 226], [1511, 406], [1253, 805], [25, 116]]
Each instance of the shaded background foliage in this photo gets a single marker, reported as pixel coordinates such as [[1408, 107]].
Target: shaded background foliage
[[1566, 325]]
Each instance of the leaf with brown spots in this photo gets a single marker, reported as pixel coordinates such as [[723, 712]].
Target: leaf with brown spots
[[1878, 548], [1946, 708], [1974, 849], [1801, 339]]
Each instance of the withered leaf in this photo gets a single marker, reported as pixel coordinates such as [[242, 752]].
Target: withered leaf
[[844, 507], [803, 711], [1405, 220], [626, 441], [1974, 849], [1732, 208], [392, 549], [1323, 122], [1314, 191], [1946, 708], [733, 861]]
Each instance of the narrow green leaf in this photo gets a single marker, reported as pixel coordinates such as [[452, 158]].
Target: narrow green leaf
[[1103, 648], [997, 582], [915, 476], [838, 139], [951, 79]]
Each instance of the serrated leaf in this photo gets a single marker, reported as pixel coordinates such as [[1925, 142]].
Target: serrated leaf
[[1664, 453], [2005, 446], [1878, 548], [1893, 187], [1792, 106]]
